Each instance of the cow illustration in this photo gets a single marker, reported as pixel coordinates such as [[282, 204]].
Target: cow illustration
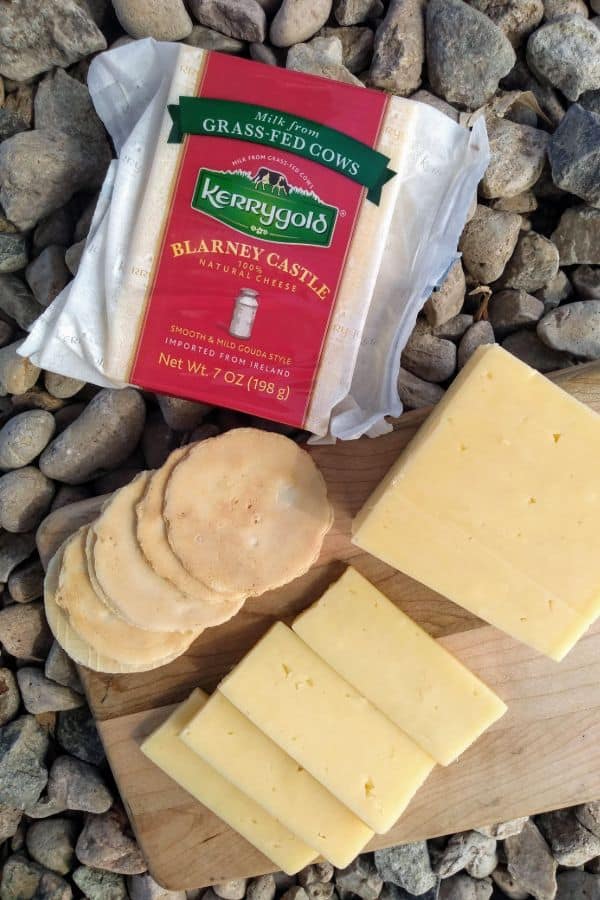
[[266, 178]]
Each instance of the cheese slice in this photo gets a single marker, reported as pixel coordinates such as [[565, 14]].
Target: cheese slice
[[246, 511], [403, 671], [123, 576], [496, 504], [98, 626], [208, 607], [242, 754], [165, 748], [347, 744], [79, 650]]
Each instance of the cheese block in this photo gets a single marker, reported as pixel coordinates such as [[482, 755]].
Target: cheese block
[[97, 625], [165, 748], [496, 504], [245, 756], [246, 511], [207, 607], [331, 729], [79, 650], [403, 671], [123, 576]]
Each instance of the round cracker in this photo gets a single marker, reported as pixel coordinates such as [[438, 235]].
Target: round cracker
[[132, 588], [246, 511], [210, 607], [96, 623], [79, 651]]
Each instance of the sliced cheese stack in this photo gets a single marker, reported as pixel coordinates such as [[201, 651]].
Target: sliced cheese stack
[[228, 741], [223, 760], [179, 550], [331, 729], [403, 671], [165, 748], [331, 744], [496, 504]]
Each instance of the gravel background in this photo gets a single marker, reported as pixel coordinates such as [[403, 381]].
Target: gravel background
[[529, 278]]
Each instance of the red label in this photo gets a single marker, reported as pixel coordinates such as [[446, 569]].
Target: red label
[[254, 248]]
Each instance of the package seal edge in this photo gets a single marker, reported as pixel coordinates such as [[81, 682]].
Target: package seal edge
[[72, 334]]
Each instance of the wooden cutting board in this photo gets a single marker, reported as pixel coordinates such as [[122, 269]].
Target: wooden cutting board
[[544, 754]]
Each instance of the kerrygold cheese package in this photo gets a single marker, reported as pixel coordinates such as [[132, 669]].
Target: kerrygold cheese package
[[264, 240]]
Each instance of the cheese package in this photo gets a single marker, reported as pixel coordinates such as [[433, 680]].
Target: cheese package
[[124, 578], [165, 748], [331, 729], [251, 230], [258, 767], [496, 502], [403, 671]]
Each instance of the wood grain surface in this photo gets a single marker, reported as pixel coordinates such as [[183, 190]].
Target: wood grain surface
[[545, 753], [351, 469]]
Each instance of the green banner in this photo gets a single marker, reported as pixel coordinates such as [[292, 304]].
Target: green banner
[[274, 128]]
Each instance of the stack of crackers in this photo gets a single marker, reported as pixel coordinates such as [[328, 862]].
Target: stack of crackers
[[180, 549]]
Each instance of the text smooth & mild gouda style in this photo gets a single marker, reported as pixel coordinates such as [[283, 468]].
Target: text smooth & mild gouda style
[[496, 503]]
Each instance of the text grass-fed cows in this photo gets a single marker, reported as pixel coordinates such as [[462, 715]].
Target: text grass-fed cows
[[267, 178]]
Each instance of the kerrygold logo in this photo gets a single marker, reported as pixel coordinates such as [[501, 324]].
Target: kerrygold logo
[[266, 206]]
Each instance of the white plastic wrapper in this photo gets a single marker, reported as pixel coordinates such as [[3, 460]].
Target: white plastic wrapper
[[437, 181]]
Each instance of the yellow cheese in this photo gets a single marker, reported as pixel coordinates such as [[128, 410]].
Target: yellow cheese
[[165, 748], [421, 687], [496, 504], [303, 705], [242, 754]]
